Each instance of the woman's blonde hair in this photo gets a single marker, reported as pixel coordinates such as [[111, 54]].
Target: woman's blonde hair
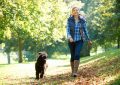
[[73, 9]]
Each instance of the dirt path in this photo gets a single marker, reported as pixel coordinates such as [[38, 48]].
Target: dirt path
[[58, 73], [17, 72]]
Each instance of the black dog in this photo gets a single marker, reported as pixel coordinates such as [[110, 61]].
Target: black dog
[[40, 65]]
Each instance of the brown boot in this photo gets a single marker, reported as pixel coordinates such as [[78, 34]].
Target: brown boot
[[72, 67], [76, 65]]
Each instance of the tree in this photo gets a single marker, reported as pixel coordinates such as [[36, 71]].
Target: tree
[[42, 22], [103, 22]]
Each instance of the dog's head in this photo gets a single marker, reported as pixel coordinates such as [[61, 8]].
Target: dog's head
[[42, 56]]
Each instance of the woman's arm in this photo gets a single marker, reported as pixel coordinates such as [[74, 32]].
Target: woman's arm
[[68, 30], [69, 37], [85, 30], [86, 34]]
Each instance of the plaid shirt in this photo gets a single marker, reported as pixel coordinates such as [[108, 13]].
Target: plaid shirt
[[77, 35], [80, 25]]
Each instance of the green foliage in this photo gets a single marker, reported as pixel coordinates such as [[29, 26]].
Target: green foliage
[[37, 25], [103, 22], [39, 22], [116, 81], [29, 56]]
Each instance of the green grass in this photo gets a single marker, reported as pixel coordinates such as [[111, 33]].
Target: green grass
[[102, 65], [116, 81]]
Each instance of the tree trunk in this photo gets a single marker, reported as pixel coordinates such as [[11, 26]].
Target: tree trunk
[[8, 57], [20, 46]]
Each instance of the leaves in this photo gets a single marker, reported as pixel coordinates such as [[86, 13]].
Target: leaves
[[101, 21], [100, 71], [41, 22]]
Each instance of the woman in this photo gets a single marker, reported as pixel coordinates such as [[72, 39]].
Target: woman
[[76, 34]]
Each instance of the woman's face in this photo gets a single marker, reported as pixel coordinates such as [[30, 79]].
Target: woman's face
[[75, 11]]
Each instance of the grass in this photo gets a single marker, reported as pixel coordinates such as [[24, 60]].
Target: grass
[[100, 69], [116, 81]]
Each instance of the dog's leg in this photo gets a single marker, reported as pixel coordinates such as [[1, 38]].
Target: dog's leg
[[37, 75], [37, 71], [42, 73]]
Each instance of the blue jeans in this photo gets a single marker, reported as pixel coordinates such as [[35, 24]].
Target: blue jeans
[[75, 49]]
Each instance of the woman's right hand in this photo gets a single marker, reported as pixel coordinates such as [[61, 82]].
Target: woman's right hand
[[70, 39]]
